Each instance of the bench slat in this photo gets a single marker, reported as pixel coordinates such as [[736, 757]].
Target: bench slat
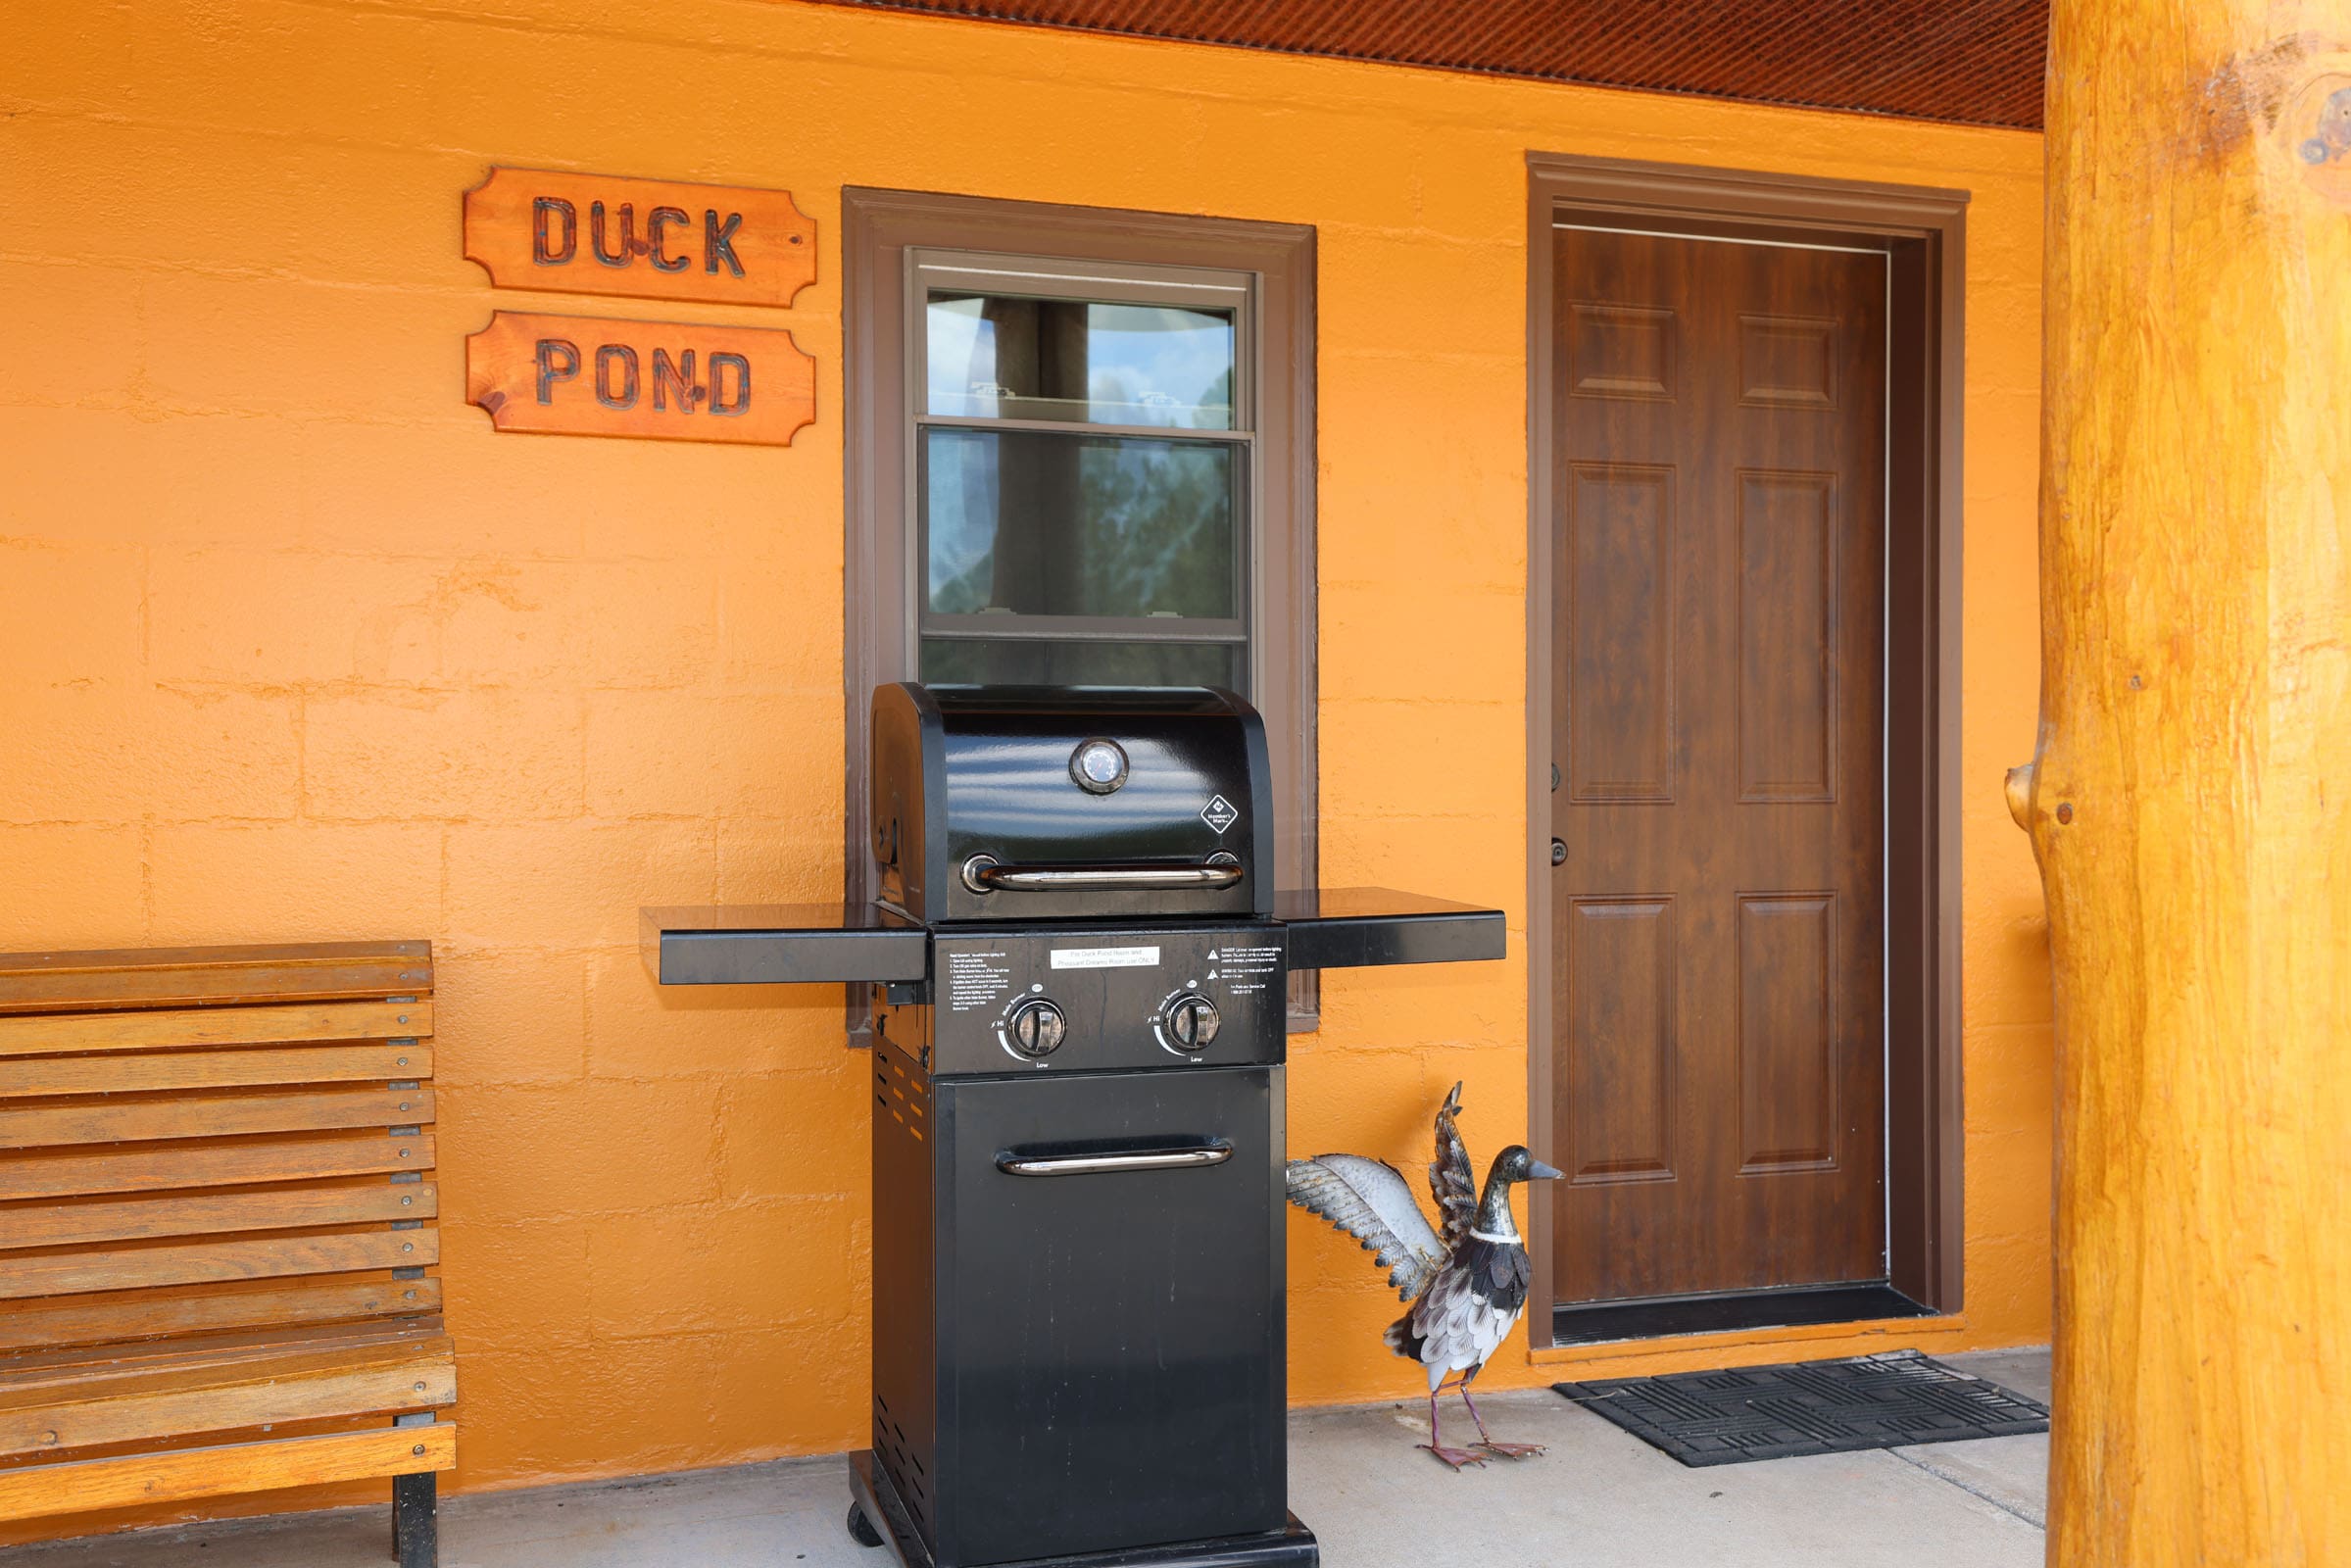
[[210, 1069], [211, 1214], [61, 982], [58, 1369], [218, 1117], [147, 1170], [227, 955], [191, 1473], [33, 1034], [98, 1387], [76, 1273], [309, 1387], [153, 1315]]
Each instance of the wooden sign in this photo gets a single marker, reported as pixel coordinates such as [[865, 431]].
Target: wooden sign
[[646, 239], [670, 381]]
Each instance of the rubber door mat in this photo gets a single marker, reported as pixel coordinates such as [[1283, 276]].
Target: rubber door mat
[[1777, 1412]]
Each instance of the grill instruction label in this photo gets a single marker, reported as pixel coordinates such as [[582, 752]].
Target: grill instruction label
[[976, 980]]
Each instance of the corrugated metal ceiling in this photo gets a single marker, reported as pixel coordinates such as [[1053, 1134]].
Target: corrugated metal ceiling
[[1978, 61]]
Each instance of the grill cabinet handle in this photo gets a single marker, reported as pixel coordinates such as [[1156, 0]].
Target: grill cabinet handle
[[983, 875], [1013, 1165]]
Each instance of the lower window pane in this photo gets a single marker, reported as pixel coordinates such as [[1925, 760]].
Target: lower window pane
[[989, 661], [1055, 525]]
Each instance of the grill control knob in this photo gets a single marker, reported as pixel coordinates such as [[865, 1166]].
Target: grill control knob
[[1191, 1022], [1037, 1027]]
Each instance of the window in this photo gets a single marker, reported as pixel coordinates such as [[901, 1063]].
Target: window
[[1080, 461], [1080, 452]]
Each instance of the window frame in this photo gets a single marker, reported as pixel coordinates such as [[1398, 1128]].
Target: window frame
[[881, 580]]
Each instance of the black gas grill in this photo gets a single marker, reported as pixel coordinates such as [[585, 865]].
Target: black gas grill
[[1079, 972]]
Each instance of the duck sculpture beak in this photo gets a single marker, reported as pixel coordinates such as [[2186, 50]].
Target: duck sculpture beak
[[1537, 1171]]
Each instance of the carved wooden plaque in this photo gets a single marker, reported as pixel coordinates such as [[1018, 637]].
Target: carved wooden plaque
[[647, 238], [670, 381]]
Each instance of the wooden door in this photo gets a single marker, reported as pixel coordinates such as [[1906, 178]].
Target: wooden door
[[1718, 603]]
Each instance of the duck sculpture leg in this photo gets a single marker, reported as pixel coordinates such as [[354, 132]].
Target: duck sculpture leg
[[1508, 1451], [1456, 1457], [1467, 1283]]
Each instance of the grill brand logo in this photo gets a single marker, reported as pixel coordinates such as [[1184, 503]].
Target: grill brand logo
[[1219, 814], [657, 239]]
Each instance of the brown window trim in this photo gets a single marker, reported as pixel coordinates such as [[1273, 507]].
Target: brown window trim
[[1923, 231], [877, 229]]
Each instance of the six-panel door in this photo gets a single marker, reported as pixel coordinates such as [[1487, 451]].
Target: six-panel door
[[1719, 645]]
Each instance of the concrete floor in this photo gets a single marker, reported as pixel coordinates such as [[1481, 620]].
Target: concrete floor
[[1600, 1498]]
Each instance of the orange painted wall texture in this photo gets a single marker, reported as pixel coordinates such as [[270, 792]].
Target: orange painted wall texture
[[292, 645]]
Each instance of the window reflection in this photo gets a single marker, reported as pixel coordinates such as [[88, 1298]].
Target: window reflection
[[1042, 524], [1004, 357]]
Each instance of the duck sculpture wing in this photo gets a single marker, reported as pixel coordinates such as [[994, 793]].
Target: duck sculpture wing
[[1370, 1201], [1452, 1180]]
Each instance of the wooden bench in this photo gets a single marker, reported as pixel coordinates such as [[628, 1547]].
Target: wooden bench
[[216, 1229]]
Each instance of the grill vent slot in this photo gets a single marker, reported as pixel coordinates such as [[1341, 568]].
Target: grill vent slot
[[899, 1094], [904, 1464]]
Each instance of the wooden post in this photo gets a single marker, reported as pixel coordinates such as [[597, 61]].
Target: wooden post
[[2190, 805]]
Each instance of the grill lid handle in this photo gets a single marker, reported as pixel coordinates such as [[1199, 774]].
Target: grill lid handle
[[1018, 1164], [982, 873]]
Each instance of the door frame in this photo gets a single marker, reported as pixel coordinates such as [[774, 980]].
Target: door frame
[[1922, 229]]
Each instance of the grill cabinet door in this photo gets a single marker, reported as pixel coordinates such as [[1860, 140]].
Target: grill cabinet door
[[1112, 1344]]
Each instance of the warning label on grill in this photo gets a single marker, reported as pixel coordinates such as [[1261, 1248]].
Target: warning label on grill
[[976, 980], [1243, 971], [1219, 814]]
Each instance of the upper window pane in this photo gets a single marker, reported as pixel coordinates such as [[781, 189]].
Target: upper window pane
[[1003, 357]]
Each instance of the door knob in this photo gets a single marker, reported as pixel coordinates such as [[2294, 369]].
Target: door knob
[[1558, 851]]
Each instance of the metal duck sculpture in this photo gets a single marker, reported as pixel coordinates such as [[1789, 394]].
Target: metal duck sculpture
[[1467, 1283]]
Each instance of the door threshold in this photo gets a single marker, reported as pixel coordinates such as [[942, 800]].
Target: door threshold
[[1790, 1306]]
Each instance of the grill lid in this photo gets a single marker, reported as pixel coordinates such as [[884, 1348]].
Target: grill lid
[[998, 802]]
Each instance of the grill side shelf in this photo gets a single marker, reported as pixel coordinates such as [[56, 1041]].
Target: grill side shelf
[[1350, 928], [779, 944]]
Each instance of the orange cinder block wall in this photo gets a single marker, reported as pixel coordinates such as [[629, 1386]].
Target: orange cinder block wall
[[292, 645]]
